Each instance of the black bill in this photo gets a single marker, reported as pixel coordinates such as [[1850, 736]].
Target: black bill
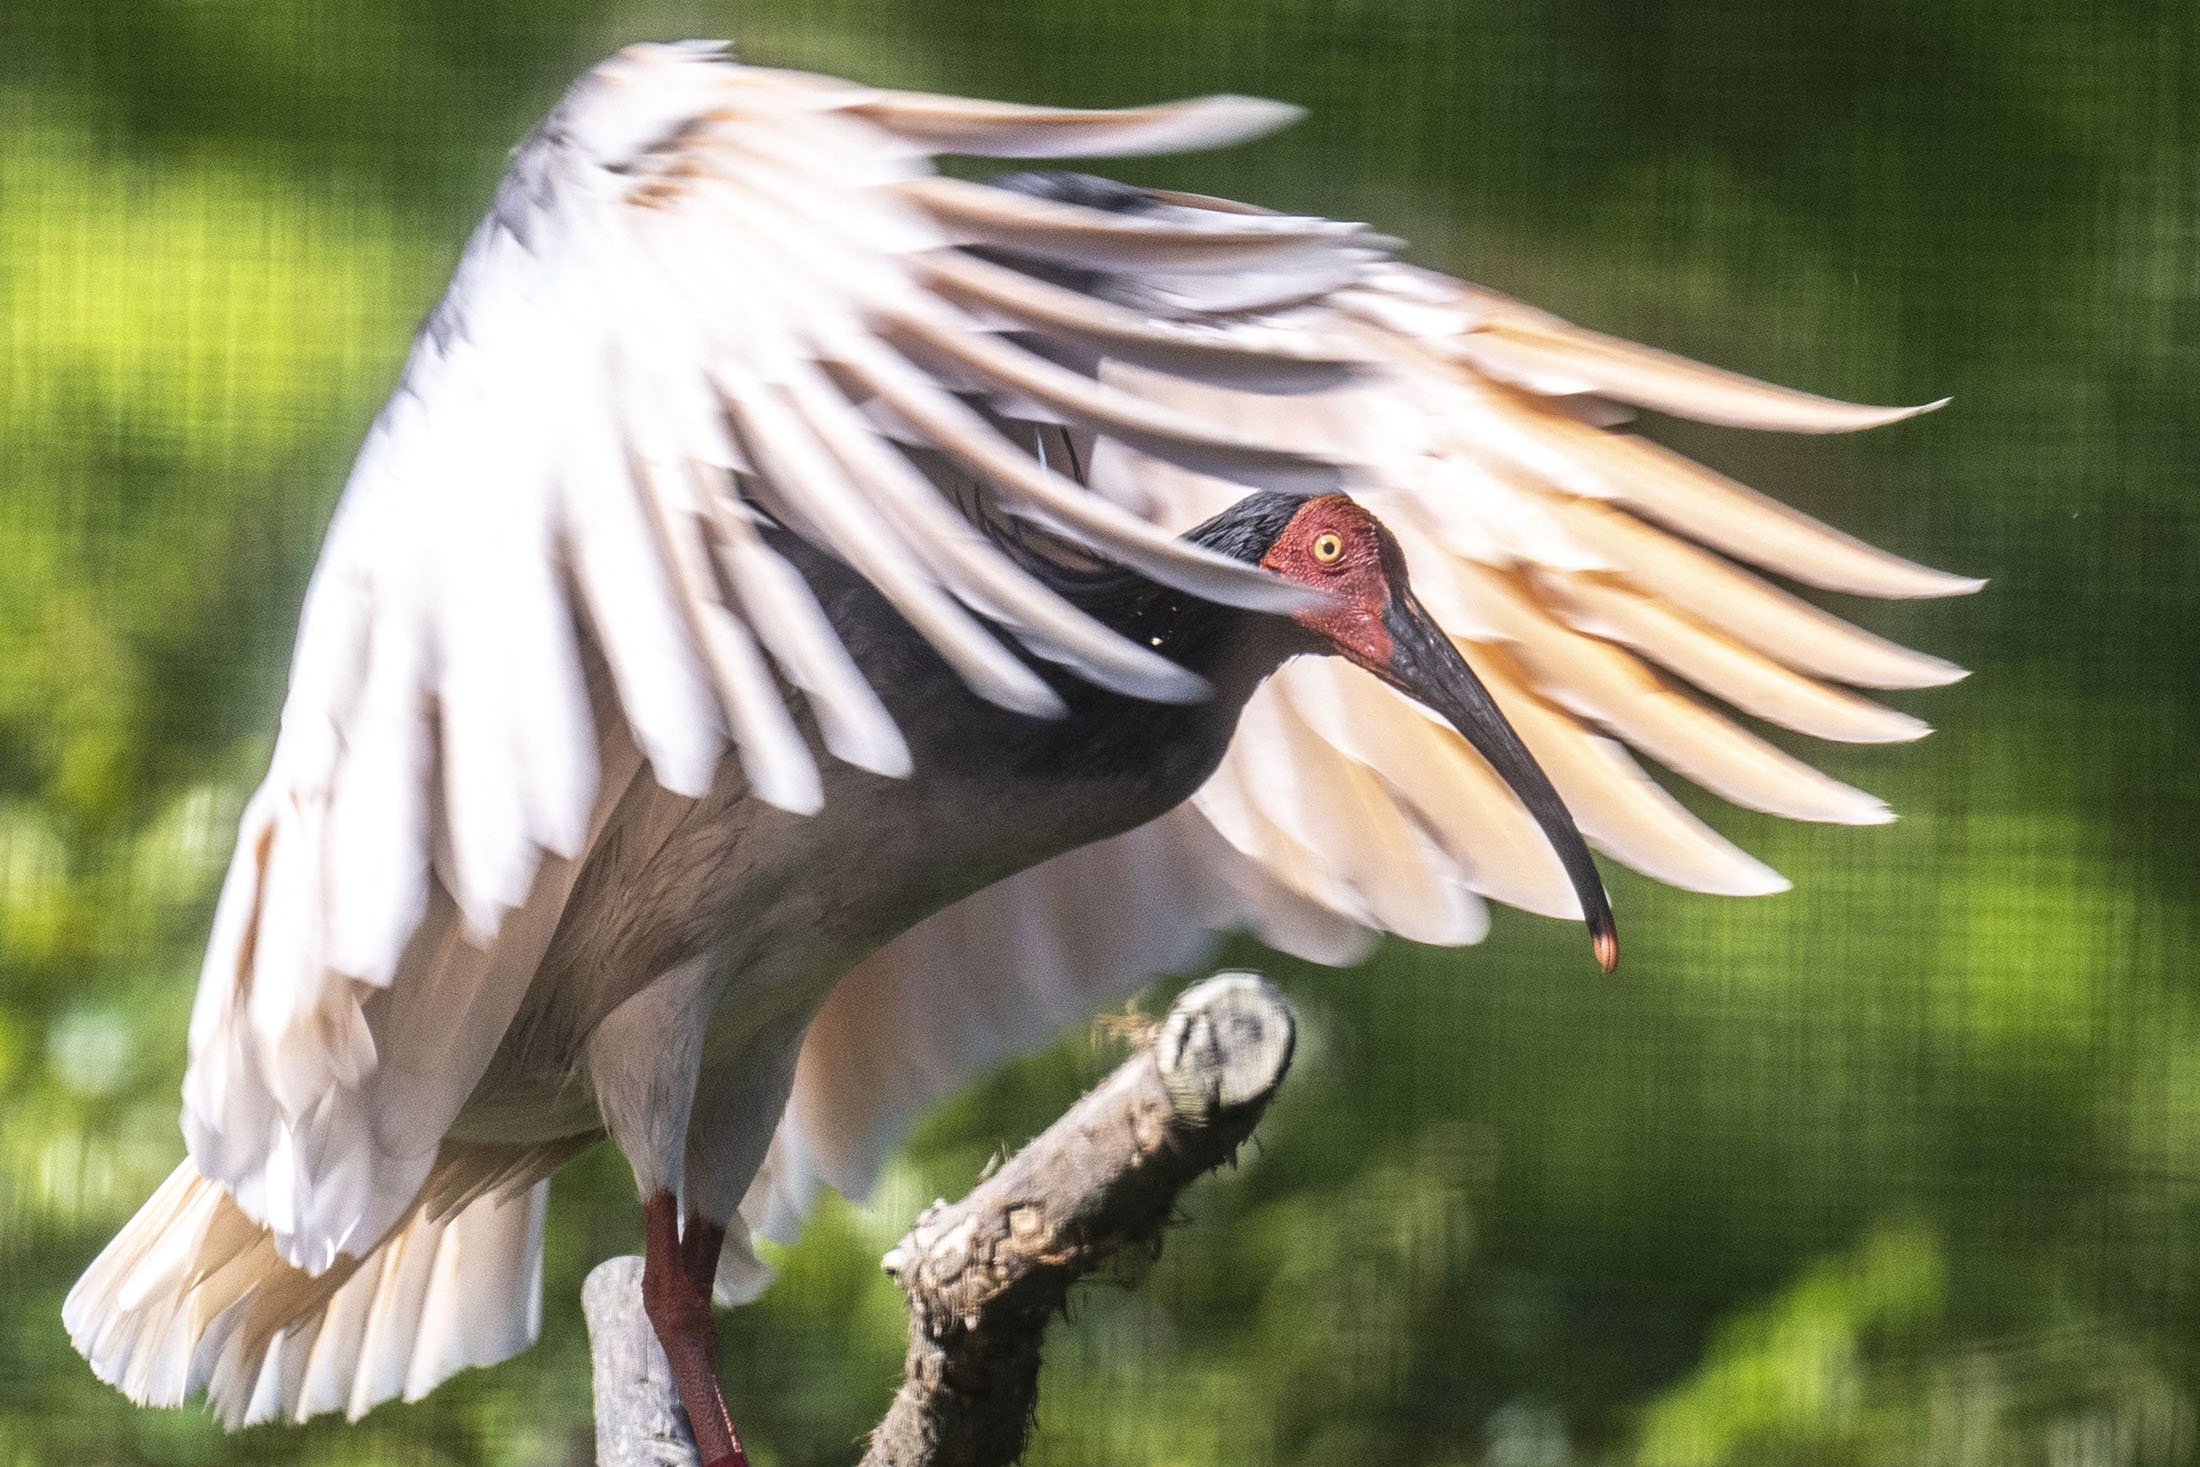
[[1426, 667]]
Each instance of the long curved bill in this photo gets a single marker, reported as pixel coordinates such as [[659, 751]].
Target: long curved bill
[[1425, 666]]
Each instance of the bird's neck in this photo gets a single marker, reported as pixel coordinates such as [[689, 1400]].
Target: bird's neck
[[1233, 649], [1175, 746]]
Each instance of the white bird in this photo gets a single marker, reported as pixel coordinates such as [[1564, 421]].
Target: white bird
[[757, 675]]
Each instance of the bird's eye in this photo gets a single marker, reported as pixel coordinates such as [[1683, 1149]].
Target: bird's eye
[[1328, 545]]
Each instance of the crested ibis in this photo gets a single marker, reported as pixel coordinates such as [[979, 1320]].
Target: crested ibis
[[805, 626]]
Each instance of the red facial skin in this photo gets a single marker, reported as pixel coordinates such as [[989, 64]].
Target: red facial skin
[[1333, 546], [1357, 582]]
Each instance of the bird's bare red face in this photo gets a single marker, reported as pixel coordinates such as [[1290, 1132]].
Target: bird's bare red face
[[1369, 615], [1335, 547]]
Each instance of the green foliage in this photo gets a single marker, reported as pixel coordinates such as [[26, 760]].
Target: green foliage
[[1895, 1169], [1791, 1373]]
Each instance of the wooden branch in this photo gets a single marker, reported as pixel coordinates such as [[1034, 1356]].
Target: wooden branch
[[639, 1422], [984, 1275]]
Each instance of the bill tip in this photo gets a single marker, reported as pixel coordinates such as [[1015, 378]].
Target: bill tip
[[1607, 950]]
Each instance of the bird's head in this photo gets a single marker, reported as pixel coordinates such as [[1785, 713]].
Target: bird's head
[[1365, 611]]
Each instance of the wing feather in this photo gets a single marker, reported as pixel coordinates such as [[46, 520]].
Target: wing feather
[[1753, 611], [1011, 130], [1169, 237], [1722, 666], [853, 722], [1716, 511], [1498, 847], [1602, 683], [1261, 357], [1512, 342]]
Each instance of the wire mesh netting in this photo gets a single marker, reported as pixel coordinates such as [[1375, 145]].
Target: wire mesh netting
[[1897, 1167]]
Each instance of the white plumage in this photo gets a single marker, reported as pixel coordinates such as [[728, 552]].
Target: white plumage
[[554, 620]]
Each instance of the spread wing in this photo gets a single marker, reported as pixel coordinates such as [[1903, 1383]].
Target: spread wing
[[708, 297], [1613, 595]]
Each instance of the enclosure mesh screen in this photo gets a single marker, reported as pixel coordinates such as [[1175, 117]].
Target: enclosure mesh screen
[[1897, 1167]]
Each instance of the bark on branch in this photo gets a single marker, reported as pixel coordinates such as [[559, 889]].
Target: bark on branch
[[984, 1275]]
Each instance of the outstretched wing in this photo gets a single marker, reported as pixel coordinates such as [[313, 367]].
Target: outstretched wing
[[708, 298], [1609, 592]]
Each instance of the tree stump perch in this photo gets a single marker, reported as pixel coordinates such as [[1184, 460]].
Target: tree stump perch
[[984, 1275]]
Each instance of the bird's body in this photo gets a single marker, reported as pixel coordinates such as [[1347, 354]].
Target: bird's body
[[777, 907], [799, 631]]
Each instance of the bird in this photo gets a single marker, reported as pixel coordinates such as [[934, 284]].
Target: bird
[[805, 626]]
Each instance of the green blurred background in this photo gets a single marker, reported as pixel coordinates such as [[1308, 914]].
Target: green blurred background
[[1897, 1168]]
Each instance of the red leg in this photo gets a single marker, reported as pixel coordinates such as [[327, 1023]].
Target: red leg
[[700, 1242], [680, 1313]]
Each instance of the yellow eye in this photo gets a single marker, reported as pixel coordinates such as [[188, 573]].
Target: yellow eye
[[1327, 547]]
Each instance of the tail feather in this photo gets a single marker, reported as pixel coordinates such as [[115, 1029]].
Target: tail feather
[[191, 1296]]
